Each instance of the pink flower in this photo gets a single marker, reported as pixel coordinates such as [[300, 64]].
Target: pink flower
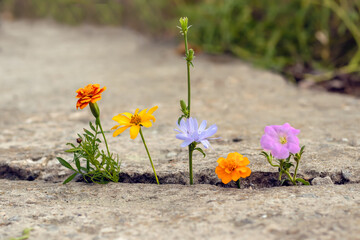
[[281, 140]]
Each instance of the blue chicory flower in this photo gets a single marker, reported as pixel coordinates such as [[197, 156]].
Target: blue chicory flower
[[191, 132]]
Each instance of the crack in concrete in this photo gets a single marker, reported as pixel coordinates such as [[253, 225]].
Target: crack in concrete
[[256, 180]]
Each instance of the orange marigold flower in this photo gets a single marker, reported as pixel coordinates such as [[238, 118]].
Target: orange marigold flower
[[90, 93], [233, 167], [135, 121]]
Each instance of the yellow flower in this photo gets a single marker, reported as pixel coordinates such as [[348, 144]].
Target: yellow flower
[[134, 121], [233, 167]]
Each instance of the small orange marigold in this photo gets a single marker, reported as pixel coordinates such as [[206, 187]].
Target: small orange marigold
[[232, 167], [90, 93]]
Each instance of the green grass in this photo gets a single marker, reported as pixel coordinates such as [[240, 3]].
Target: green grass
[[315, 34]]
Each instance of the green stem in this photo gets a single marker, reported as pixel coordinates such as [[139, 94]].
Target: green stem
[[107, 147], [238, 183], [191, 147], [296, 169], [191, 150], [147, 150], [291, 179], [94, 142], [188, 71]]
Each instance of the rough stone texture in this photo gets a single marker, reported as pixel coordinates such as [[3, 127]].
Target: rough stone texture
[[322, 181], [146, 211], [41, 66]]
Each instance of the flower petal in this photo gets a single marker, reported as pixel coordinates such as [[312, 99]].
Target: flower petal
[[202, 126], [186, 143], [182, 136], [267, 142], [280, 151], [235, 175], [129, 115], [120, 130], [134, 131], [209, 132], [123, 120], [226, 178], [206, 143], [115, 127], [146, 124], [152, 110], [142, 112]]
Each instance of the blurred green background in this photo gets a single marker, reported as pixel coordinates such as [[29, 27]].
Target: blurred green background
[[302, 39]]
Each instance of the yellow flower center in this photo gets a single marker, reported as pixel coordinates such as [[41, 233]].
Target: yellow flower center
[[135, 119], [283, 140]]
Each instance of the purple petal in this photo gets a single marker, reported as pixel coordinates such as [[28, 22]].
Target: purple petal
[[209, 132], [183, 137], [205, 143], [293, 148], [202, 126], [293, 140], [183, 125], [280, 151], [267, 142], [271, 130], [196, 125], [186, 143]]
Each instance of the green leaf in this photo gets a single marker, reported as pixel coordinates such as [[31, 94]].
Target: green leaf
[[70, 144], [65, 163], [73, 150], [200, 150], [77, 163], [88, 132], [179, 120], [282, 182], [92, 126], [303, 181], [70, 178]]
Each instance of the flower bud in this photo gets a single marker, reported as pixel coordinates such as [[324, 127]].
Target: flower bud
[[190, 55], [182, 105], [184, 24], [79, 140], [95, 109]]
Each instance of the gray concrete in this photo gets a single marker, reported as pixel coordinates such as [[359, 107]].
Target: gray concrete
[[146, 211], [42, 65]]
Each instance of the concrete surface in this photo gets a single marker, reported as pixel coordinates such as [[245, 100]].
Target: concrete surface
[[42, 64]]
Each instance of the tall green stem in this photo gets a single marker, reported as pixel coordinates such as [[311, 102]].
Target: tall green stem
[[191, 150], [188, 71], [107, 147], [147, 150]]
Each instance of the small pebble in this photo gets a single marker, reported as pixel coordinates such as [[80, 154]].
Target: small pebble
[[322, 181]]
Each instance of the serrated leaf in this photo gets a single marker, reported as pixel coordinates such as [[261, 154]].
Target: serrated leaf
[[303, 181], [77, 163], [88, 132], [92, 126], [73, 150], [69, 178], [65, 163], [70, 144], [200, 150]]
